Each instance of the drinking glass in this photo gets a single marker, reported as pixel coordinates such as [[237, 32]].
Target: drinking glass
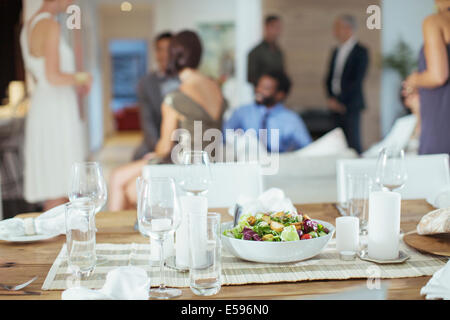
[[391, 169], [359, 187], [205, 256], [80, 237], [159, 217], [87, 182], [154, 248], [196, 175]]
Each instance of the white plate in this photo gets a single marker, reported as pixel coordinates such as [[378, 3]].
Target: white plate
[[34, 238], [276, 252]]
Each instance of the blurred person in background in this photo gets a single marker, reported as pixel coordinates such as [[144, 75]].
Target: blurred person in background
[[268, 112], [267, 56], [344, 81], [432, 82], [53, 134], [151, 91], [198, 98]]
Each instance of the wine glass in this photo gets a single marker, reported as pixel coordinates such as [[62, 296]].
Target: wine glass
[[87, 183], [196, 175], [391, 169], [359, 187], [159, 215]]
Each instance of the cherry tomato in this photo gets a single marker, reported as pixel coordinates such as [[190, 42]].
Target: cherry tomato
[[306, 237]]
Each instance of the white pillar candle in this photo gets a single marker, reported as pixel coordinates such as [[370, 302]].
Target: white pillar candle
[[198, 238], [195, 206], [347, 234], [384, 225]]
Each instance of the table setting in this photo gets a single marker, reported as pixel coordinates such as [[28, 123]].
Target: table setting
[[183, 248]]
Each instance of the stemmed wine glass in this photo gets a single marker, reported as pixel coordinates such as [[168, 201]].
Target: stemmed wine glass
[[391, 169], [87, 184], [196, 175], [159, 215]]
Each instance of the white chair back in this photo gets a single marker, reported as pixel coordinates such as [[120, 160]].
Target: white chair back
[[230, 180], [427, 175]]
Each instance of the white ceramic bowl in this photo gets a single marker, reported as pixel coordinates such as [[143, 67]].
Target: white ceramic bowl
[[276, 252]]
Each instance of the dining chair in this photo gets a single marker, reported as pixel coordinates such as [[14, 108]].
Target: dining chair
[[427, 175], [229, 180]]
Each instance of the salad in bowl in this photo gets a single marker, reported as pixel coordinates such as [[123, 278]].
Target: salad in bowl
[[277, 226], [276, 237]]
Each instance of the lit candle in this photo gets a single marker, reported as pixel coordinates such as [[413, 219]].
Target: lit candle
[[384, 225], [194, 208], [347, 234], [16, 91]]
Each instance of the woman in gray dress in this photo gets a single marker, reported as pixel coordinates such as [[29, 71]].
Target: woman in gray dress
[[432, 82], [198, 98]]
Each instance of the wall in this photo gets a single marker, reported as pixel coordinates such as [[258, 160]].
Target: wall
[[114, 24], [175, 15], [307, 41], [92, 60], [401, 20]]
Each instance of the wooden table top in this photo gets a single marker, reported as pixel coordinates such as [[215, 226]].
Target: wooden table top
[[20, 262]]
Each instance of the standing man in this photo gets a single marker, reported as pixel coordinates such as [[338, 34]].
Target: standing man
[[344, 82], [267, 56], [151, 92]]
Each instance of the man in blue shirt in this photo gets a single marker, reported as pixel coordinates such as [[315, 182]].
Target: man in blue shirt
[[268, 112]]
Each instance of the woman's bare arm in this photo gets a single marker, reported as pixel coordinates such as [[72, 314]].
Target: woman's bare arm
[[435, 48], [168, 125], [51, 53]]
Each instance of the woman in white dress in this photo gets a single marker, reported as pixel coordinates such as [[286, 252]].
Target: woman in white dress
[[53, 132]]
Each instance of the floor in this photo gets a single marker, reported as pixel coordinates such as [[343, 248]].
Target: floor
[[117, 150]]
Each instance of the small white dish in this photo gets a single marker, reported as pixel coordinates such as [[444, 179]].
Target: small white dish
[[33, 238], [276, 252], [402, 257]]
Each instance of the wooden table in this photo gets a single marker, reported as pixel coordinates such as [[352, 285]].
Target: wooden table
[[21, 262]]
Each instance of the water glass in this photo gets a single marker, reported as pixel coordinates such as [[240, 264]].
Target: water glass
[[87, 183], [391, 170], [196, 173], [205, 271], [359, 187], [80, 237], [159, 217]]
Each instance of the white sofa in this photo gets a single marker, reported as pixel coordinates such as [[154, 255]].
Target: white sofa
[[309, 175]]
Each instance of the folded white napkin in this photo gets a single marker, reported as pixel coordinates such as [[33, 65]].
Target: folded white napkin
[[439, 285], [441, 198], [272, 200], [50, 222], [122, 283]]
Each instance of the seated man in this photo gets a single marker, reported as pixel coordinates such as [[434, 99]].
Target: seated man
[[268, 112]]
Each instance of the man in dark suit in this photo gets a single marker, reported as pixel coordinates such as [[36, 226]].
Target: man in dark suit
[[345, 78], [151, 92], [266, 56]]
